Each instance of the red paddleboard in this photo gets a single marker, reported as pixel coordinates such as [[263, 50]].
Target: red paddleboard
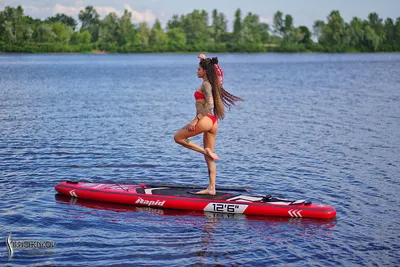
[[180, 198]]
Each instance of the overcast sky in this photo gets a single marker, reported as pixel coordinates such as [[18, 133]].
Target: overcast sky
[[304, 12]]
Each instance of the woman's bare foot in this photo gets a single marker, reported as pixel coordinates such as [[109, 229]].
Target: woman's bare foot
[[207, 191], [211, 154]]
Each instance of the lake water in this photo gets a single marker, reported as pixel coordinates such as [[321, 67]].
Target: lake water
[[320, 127]]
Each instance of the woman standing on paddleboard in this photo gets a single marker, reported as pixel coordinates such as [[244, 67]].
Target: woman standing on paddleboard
[[211, 98]]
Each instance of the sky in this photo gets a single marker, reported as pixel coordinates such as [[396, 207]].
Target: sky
[[304, 12]]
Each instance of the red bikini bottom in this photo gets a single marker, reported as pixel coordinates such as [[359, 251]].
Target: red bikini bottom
[[212, 117]]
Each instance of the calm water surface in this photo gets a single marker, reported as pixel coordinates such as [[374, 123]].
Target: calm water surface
[[321, 127]]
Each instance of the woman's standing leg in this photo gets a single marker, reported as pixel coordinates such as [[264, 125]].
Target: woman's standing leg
[[209, 144]]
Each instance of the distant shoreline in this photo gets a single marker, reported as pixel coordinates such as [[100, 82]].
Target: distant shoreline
[[190, 33], [190, 53]]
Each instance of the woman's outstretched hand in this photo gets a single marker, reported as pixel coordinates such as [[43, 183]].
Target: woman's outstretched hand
[[192, 125]]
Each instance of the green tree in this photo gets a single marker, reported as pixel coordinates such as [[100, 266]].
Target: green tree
[[219, 26], [376, 24], [13, 24], [143, 35], [90, 21], [126, 30], [318, 28], [62, 32], [174, 23], [264, 33], [279, 23], [45, 33], [288, 28], [371, 39], [108, 29], [290, 35], [176, 40], [28, 33], [254, 34], [355, 33], [64, 19], [2, 30], [254, 31], [9, 32], [397, 34], [237, 25], [158, 40], [334, 33], [81, 38], [305, 36], [30, 28], [88, 17], [195, 25], [250, 29], [390, 33]]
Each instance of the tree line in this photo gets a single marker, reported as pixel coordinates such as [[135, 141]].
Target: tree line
[[193, 33]]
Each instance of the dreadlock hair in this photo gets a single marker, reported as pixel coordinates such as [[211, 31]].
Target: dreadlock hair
[[221, 96]]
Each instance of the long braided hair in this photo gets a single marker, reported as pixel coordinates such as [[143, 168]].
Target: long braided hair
[[221, 96]]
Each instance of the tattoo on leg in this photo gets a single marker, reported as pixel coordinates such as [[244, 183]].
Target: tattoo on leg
[[187, 141]]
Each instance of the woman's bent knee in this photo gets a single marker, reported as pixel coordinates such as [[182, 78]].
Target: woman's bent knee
[[178, 138]]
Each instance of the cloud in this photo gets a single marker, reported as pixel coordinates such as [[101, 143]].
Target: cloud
[[147, 15], [105, 10], [266, 20], [67, 10], [79, 3], [38, 12]]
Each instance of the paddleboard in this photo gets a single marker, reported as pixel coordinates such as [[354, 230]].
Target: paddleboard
[[226, 200]]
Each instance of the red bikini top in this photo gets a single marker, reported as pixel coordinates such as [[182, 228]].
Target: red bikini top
[[198, 95]]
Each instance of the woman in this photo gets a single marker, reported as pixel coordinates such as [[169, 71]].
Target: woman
[[210, 101]]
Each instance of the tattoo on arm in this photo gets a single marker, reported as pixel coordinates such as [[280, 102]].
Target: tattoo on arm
[[187, 141], [208, 95], [209, 105]]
